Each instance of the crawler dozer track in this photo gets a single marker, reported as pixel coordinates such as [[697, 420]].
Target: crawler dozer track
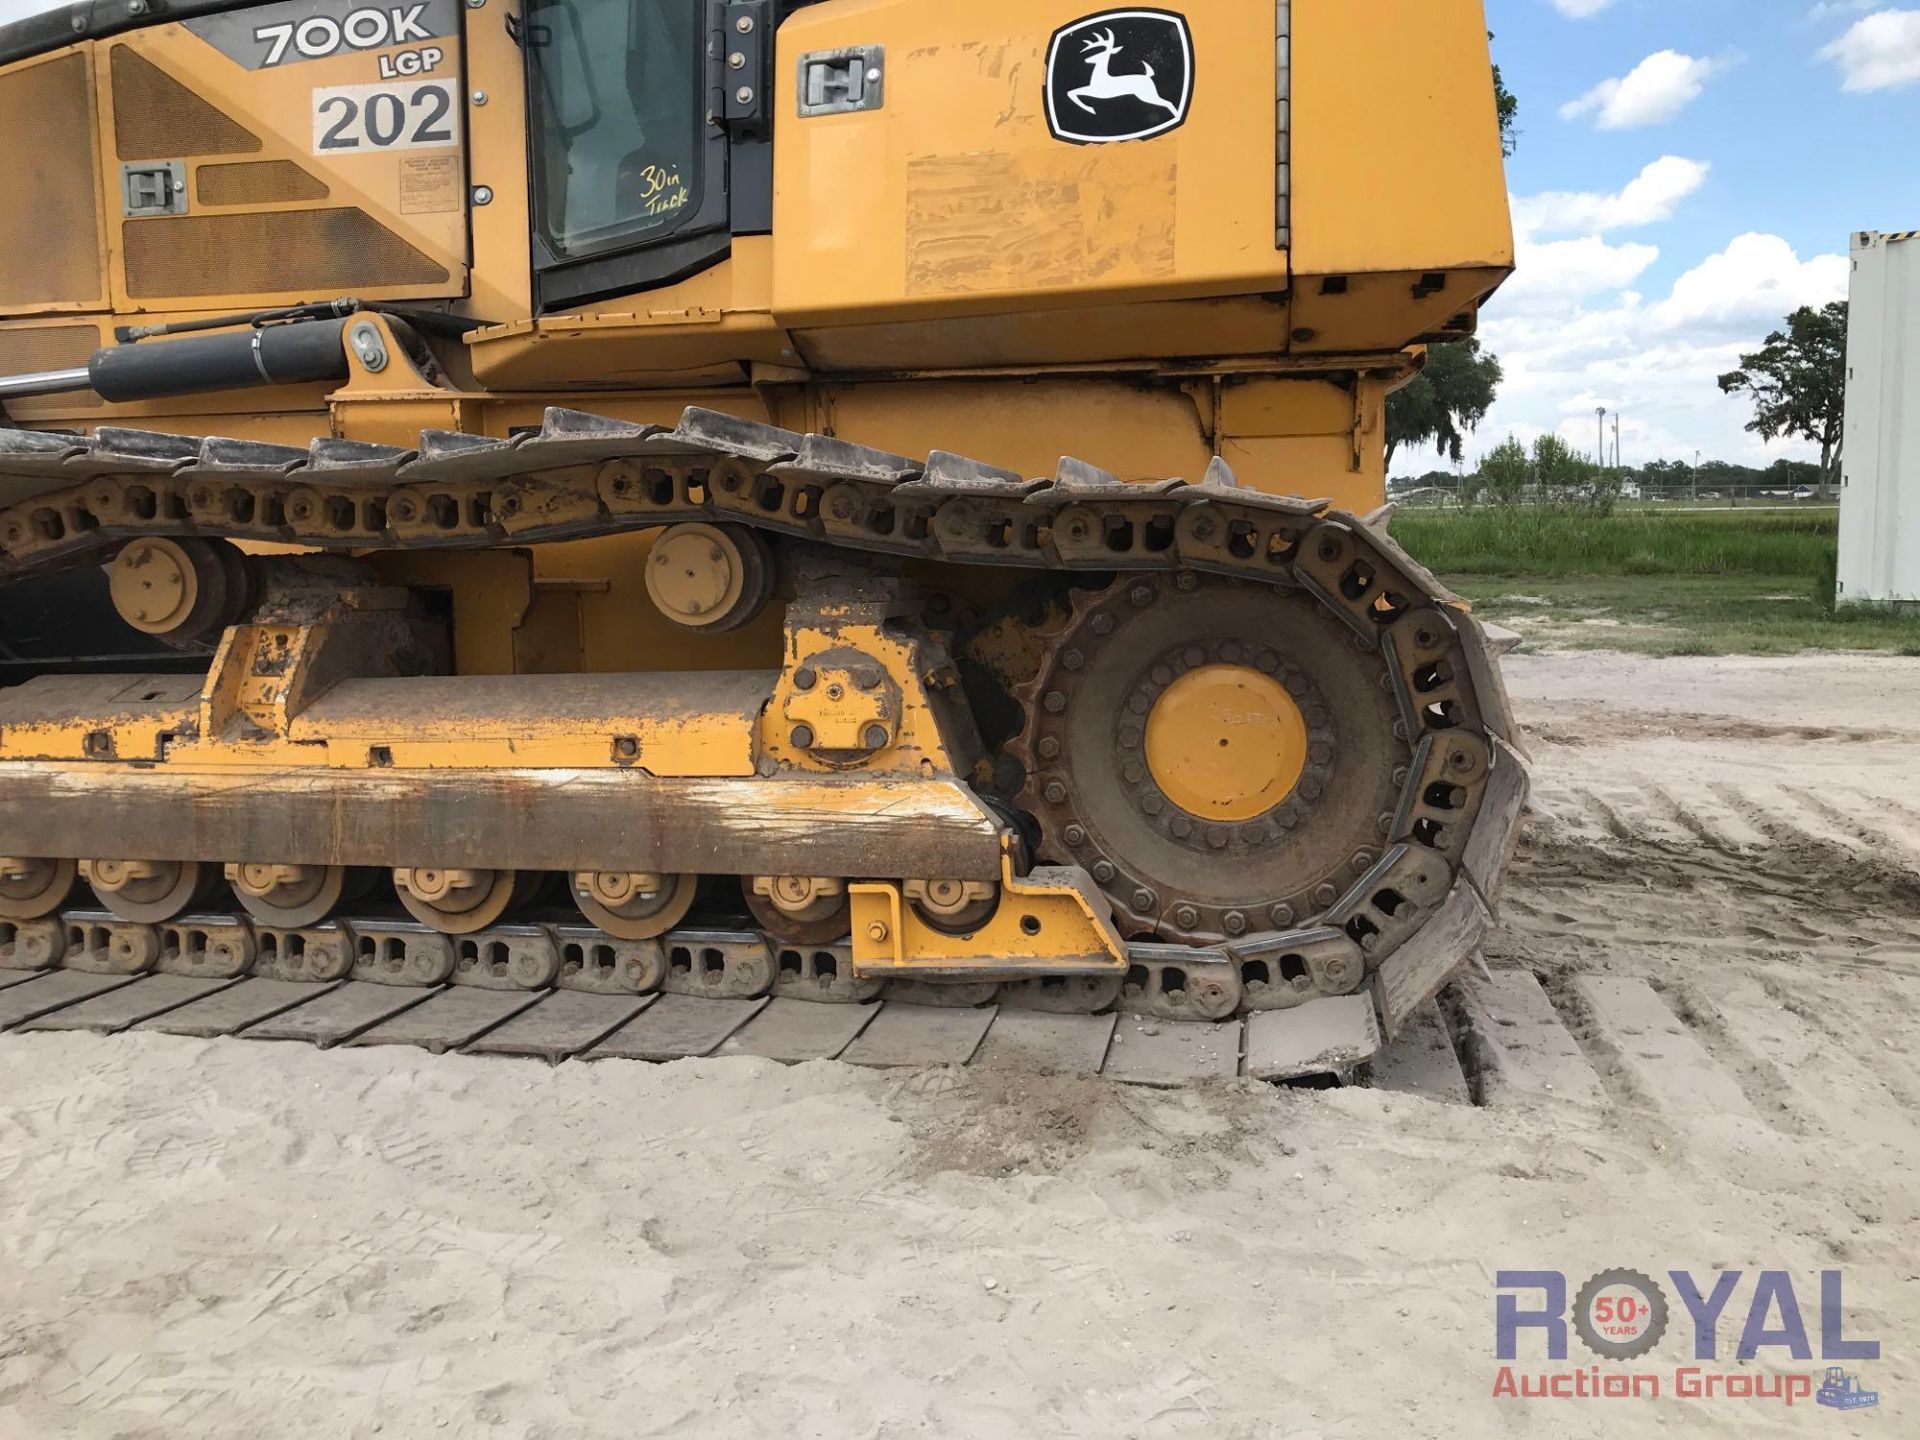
[[1347, 848]]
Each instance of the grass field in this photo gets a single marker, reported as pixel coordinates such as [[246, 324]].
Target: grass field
[[1693, 583]]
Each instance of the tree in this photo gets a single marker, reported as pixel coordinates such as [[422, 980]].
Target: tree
[[1798, 384], [1508, 105], [1505, 473], [1453, 394]]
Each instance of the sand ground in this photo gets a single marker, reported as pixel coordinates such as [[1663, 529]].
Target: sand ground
[[236, 1238]]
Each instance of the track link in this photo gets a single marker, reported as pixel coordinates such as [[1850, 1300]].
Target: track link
[[1404, 925]]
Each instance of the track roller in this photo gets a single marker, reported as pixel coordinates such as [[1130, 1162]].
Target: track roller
[[800, 909], [34, 889], [288, 896], [712, 578], [953, 907], [458, 902], [147, 892], [634, 905]]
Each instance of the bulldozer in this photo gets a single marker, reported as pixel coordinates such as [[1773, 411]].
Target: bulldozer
[[567, 498]]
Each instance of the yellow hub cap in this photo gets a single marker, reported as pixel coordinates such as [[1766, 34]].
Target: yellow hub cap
[[1226, 743], [154, 586]]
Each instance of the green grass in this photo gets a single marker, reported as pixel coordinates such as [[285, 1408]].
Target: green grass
[[1639, 542], [1717, 583]]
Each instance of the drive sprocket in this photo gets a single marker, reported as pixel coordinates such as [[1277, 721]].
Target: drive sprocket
[[1223, 758]]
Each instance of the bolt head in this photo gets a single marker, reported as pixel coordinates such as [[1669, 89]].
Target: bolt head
[[483, 194], [1325, 895], [805, 678], [1202, 528], [1281, 915], [1102, 624], [1076, 837], [744, 24], [744, 95], [1235, 922], [1141, 596], [479, 97], [877, 931], [1049, 748], [1056, 793], [1144, 899], [1104, 872], [1186, 916], [1186, 581], [875, 737], [803, 737], [1055, 702]]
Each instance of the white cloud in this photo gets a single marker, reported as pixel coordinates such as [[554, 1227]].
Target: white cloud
[[1553, 272], [1880, 52], [1757, 279], [1580, 9], [1650, 197], [1653, 92], [1574, 334]]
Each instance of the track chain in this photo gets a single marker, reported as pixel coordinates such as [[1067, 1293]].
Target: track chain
[[580, 475]]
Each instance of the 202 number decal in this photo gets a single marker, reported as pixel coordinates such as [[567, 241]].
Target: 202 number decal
[[417, 116]]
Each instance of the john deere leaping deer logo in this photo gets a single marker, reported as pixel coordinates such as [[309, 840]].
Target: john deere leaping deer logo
[[1120, 75]]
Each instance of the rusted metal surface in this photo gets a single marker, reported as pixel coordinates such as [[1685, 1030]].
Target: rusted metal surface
[[532, 820]]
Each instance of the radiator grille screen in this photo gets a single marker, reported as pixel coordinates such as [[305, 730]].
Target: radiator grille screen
[[47, 347], [155, 117], [314, 252], [257, 182], [49, 226]]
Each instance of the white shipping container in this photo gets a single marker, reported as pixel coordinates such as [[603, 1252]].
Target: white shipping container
[[1880, 504]]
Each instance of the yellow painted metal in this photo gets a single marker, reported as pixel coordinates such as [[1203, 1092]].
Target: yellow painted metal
[[154, 585], [1051, 922], [953, 199], [1397, 178], [701, 330], [414, 202], [1226, 742], [696, 575]]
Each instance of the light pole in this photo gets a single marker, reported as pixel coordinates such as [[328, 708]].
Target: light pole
[[1600, 455]]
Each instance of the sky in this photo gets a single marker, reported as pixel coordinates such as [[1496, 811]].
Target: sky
[[1688, 173]]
